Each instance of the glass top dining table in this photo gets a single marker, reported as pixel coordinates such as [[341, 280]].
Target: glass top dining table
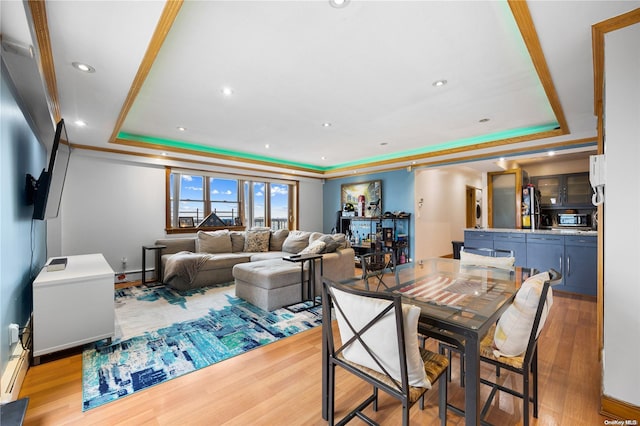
[[463, 299]]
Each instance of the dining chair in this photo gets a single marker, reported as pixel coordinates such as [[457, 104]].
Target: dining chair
[[490, 257], [512, 343], [378, 343], [469, 256], [376, 264]]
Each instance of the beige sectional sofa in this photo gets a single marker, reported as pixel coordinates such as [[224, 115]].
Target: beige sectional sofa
[[262, 277]]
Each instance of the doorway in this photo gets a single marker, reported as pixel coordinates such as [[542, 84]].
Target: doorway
[[473, 207]]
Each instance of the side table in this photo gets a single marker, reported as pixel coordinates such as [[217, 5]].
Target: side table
[[157, 249], [311, 283]]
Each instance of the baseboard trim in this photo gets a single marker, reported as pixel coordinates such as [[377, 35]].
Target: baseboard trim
[[14, 374], [617, 409]]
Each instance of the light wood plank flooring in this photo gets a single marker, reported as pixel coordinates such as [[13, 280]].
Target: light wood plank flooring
[[280, 384]]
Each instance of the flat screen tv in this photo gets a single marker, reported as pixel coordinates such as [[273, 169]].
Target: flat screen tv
[[48, 187]]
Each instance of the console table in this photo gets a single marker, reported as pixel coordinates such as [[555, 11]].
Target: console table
[[73, 306]]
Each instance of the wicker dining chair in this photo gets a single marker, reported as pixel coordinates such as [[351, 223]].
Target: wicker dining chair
[[377, 342]]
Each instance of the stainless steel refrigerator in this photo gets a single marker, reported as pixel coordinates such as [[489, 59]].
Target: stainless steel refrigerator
[[530, 207]]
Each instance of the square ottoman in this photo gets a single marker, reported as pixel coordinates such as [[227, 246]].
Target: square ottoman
[[269, 284]]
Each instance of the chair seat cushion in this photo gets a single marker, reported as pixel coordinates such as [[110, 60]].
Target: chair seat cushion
[[488, 351], [434, 365]]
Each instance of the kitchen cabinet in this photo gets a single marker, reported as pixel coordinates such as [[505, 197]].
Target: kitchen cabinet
[[575, 256], [546, 251], [581, 268], [513, 241], [564, 191]]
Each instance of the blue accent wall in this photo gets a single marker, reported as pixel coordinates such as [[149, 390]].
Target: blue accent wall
[[397, 195], [22, 241]]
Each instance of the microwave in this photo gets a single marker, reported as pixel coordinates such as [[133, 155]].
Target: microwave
[[573, 219]]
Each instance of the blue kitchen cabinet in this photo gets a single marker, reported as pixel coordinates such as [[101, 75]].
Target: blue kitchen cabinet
[[514, 241], [545, 251], [580, 265], [478, 239]]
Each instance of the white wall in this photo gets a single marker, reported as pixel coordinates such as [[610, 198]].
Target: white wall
[[442, 217], [111, 207], [621, 375], [115, 207]]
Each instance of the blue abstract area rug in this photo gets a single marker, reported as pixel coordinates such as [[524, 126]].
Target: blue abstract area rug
[[162, 334]]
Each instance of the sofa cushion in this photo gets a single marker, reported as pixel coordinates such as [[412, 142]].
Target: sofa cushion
[[213, 242], [256, 240], [277, 238], [237, 241], [296, 241]]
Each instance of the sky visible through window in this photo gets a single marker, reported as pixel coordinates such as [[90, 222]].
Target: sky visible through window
[[224, 197]]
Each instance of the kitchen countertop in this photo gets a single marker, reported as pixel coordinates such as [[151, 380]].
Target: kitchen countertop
[[564, 231]]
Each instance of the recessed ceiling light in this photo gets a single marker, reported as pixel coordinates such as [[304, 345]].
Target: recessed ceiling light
[[83, 67], [227, 91], [339, 4], [164, 153], [266, 145], [439, 83], [326, 124], [80, 123], [483, 120], [182, 129], [323, 158]]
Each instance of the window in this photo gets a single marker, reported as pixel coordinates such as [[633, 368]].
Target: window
[[227, 201]]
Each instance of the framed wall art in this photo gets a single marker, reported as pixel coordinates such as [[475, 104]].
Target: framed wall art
[[185, 222], [365, 197]]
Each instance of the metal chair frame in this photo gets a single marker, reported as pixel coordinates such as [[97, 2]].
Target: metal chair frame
[[376, 264], [529, 363], [400, 389]]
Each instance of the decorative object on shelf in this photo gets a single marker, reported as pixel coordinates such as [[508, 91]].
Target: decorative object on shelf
[[185, 222], [370, 190]]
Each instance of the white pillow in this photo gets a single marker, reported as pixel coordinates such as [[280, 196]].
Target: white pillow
[[382, 337], [467, 258], [514, 326]]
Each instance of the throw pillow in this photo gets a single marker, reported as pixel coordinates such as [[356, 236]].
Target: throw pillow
[[360, 310], [237, 241], [315, 247], [514, 326], [256, 241], [467, 258], [213, 242], [277, 238], [332, 241], [296, 241]]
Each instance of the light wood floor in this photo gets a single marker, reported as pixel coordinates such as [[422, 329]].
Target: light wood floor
[[280, 384]]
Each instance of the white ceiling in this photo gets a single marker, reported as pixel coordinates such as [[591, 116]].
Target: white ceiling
[[367, 69]]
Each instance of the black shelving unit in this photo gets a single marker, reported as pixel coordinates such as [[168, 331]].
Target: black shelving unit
[[392, 230]]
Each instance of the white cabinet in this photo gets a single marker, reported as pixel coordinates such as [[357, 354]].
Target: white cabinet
[[73, 306]]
